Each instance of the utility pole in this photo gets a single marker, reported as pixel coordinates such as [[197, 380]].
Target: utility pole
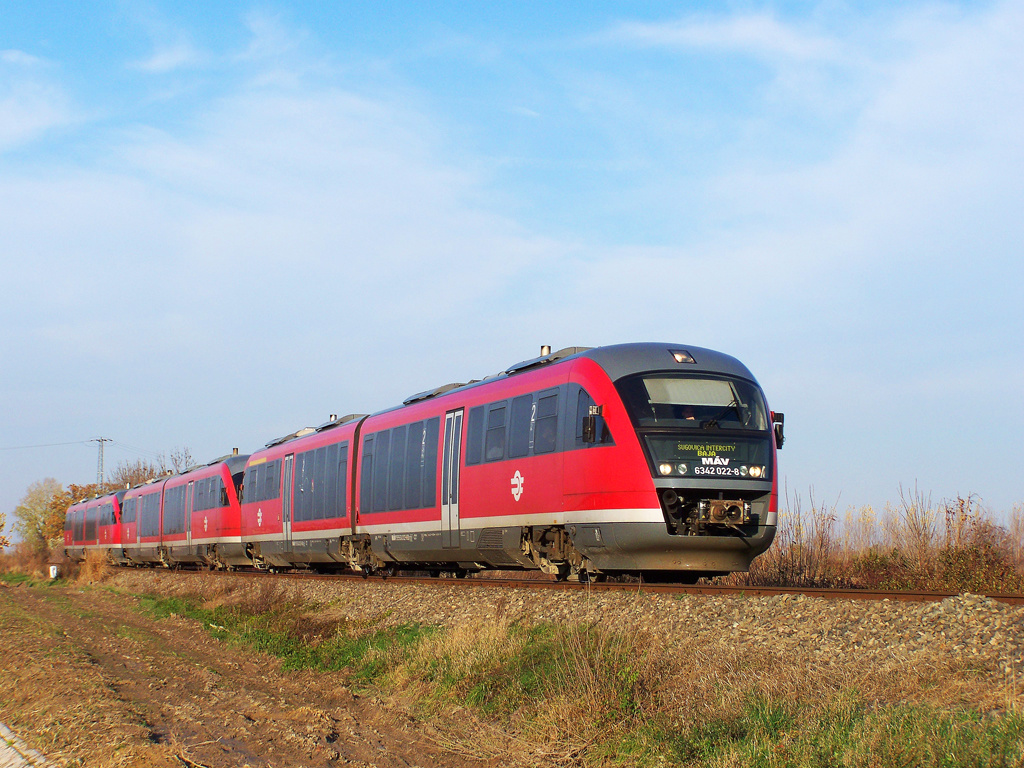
[[99, 460]]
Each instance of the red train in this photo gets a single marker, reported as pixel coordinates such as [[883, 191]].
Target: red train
[[637, 458]]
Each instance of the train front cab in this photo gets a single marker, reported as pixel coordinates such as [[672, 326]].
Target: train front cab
[[706, 498], [215, 516]]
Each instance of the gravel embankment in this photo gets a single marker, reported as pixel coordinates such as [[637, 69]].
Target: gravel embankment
[[977, 630]]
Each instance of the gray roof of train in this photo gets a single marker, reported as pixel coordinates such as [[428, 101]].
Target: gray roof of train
[[619, 360]]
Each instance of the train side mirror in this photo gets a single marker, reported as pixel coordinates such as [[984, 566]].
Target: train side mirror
[[778, 419]]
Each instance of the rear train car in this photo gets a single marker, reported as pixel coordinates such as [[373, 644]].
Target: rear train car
[[94, 524]]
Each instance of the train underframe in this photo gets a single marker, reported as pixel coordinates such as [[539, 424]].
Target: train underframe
[[578, 551]]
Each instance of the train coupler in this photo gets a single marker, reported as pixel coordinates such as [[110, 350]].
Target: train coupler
[[724, 511]]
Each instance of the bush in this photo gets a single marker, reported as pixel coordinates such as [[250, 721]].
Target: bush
[[26, 560]]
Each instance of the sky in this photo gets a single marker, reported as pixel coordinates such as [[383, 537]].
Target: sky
[[221, 222]]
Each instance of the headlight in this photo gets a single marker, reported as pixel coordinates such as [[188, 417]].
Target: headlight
[[744, 470], [665, 469], [756, 471], [681, 468]]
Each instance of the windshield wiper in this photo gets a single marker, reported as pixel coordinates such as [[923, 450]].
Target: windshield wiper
[[713, 421]]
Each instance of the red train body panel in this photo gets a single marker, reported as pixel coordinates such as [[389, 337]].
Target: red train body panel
[[295, 500], [94, 524]]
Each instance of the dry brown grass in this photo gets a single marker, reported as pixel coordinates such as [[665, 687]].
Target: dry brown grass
[[26, 560], [552, 697], [50, 691], [953, 546], [95, 569]]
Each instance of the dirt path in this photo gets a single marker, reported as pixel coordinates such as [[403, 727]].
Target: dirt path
[[98, 682]]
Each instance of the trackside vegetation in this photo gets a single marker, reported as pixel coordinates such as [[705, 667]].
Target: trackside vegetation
[[953, 546], [581, 695]]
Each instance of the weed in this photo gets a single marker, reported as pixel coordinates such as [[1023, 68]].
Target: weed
[[266, 621], [952, 547], [851, 732]]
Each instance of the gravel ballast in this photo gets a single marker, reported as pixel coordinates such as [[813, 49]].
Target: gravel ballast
[[971, 632]]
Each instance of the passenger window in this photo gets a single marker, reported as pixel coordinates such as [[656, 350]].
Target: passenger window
[[272, 484], [366, 476], [519, 429], [413, 465], [342, 493], [380, 477], [319, 457], [495, 442], [331, 485], [429, 488], [475, 436], [546, 427], [396, 481]]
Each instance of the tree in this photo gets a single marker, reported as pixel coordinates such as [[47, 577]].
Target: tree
[[53, 528], [4, 541], [34, 511], [128, 474], [180, 460]]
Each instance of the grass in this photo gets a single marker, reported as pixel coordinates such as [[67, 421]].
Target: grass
[[287, 631], [850, 732], [583, 695]]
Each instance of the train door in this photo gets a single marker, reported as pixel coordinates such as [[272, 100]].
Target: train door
[[188, 513], [286, 502], [451, 460]]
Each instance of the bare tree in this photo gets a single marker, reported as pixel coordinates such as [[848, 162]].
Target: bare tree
[[131, 473], [179, 460], [34, 510]]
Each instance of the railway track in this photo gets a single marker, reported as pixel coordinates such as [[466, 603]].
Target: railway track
[[678, 589]]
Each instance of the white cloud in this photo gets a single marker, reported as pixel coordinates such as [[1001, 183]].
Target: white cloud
[[757, 34], [270, 38], [168, 58], [31, 101], [20, 58]]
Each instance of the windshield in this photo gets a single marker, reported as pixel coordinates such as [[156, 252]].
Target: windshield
[[664, 400]]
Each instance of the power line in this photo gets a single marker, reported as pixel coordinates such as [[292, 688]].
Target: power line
[[43, 445], [132, 448], [135, 449]]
